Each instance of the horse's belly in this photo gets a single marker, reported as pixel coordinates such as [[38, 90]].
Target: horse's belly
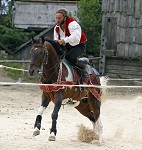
[[75, 93]]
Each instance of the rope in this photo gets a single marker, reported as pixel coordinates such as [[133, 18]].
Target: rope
[[1, 66], [111, 79], [66, 85], [135, 79]]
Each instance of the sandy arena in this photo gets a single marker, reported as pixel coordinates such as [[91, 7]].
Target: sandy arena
[[121, 117]]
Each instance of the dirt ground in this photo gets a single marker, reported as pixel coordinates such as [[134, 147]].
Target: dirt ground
[[121, 117]]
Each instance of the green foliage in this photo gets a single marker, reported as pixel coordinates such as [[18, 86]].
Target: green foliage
[[90, 16], [10, 37], [6, 13], [13, 38], [13, 73]]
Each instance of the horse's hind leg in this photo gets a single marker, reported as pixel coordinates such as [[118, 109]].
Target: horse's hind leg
[[95, 105], [90, 108], [44, 104], [84, 109]]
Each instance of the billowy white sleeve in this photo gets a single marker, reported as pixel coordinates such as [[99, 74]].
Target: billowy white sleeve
[[75, 34], [55, 34]]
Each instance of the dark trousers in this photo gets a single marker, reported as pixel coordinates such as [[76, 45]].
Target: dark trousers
[[73, 52]]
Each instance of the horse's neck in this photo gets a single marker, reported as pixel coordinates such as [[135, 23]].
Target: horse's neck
[[50, 73], [50, 70]]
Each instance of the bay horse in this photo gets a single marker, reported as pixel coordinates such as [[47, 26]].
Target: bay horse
[[57, 70]]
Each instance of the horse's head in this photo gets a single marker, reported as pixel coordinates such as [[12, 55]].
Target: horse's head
[[39, 55]]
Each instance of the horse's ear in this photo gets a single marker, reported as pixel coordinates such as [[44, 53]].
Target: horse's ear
[[42, 39], [33, 40]]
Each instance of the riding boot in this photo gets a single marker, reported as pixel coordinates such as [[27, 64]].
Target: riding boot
[[82, 68]]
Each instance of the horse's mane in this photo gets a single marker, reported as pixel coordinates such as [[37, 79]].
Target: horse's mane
[[59, 50]]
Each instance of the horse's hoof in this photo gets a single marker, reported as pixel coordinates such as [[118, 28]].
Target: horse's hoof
[[36, 132], [52, 137]]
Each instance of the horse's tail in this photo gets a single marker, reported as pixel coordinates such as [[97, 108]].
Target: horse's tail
[[103, 81]]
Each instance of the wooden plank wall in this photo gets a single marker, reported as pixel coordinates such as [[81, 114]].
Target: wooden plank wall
[[122, 68], [126, 31]]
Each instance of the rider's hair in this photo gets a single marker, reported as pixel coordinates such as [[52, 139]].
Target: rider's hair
[[63, 11]]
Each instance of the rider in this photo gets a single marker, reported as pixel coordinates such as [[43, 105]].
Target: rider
[[68, 33]]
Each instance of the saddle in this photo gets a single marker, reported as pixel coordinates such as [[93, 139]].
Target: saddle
[[83, 72]]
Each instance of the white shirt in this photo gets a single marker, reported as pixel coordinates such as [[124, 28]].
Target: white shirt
[[75, 34]]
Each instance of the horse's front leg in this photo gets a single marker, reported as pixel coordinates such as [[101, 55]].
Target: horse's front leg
[[54, 116], [44, 104]]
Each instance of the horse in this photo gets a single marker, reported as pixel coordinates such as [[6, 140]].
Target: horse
[[56, 70]]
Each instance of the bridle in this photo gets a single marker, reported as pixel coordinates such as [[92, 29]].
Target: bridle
[[43, 60], [43, 57]]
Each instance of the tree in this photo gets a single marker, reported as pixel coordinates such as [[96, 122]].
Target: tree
[[6, 12], [12, 38], [90, 16]]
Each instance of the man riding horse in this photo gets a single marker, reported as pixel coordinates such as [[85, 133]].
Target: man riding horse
[[49, 54], [70, 37]]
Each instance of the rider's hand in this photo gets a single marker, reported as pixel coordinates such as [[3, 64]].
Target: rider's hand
[[61, 42]]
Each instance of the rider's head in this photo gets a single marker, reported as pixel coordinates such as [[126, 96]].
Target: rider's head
[[61, 16]]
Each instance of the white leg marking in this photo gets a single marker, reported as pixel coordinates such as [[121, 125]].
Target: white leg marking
[[94, 126], [99, 128], [41, 110], [52, 137]]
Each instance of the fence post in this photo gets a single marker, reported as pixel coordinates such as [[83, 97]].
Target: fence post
[[103, 56]]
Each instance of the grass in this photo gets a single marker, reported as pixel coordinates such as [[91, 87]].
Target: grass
[[15, 74]]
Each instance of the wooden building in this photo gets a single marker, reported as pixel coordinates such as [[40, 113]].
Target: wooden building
[[121, 42], [38, 14], [23, 52]]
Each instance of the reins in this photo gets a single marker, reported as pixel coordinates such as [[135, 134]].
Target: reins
[[57, 64]]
